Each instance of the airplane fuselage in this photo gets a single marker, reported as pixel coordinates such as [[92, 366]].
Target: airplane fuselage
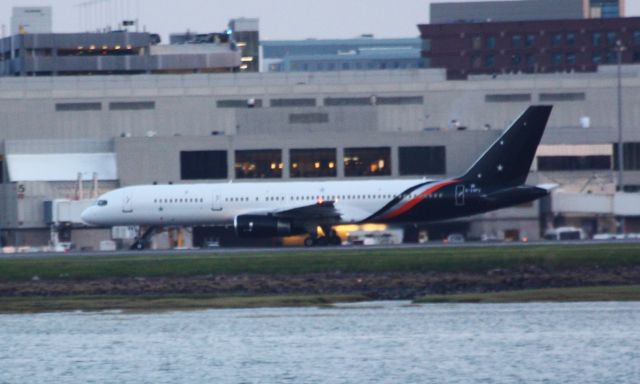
[[267, 209], [414, 200]]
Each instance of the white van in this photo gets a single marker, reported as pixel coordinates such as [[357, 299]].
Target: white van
[[565, 233]]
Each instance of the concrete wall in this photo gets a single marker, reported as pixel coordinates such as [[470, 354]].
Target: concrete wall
[[186, 105]]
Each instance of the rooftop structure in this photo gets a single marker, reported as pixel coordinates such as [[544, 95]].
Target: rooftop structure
[[118, 52], [524, 10], [362, 53], [31, 20], [245, 33]]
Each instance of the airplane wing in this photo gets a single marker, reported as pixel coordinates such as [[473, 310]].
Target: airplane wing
[[322, 211]]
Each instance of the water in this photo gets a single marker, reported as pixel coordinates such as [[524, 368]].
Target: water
[[364, 343]]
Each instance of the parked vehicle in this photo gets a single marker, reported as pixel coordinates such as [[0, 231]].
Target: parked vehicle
[[455, 238], [565, 233]]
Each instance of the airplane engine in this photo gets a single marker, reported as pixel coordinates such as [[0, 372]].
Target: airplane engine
[[257, 226]]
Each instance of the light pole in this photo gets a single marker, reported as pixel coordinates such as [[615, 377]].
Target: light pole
[[619, 49]]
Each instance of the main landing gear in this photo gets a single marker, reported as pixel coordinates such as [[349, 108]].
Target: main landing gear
[[320, 241], [144, 241]]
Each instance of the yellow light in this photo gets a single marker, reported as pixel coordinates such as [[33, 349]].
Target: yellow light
[[105, 47], [332, 165], [381, 164], [244, 66], [118, 47], [246, 59], [317, 165], [347, 228], [92, 47], [273, 165], [241, 45], [280, 166], [295, 165], [374, 227]]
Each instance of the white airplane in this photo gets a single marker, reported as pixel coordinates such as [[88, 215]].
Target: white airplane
[[267, 209]]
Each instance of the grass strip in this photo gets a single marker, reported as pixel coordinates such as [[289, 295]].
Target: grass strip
[[613, 293], [165, 303], [466, 259]]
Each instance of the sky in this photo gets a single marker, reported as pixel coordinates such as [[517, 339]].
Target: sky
[[279, 19]]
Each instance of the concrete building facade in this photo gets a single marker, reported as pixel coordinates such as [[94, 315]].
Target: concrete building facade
[[364, 53], [292, 126]]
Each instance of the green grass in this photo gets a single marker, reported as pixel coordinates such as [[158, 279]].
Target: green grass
[[616, 293], [476, 260], [164, 303]]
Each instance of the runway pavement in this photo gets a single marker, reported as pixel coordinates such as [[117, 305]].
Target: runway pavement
[[271, 250]]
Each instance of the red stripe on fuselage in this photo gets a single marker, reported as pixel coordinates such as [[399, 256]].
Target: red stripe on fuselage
[[413, 202]]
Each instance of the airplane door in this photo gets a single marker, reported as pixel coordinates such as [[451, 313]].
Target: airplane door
[[127, 202], [459, 195], [216, 201]]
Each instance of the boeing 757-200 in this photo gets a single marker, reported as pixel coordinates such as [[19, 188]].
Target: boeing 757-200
[[267, 209]]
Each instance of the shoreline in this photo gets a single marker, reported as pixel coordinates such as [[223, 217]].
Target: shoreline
[[157, 304], [175, 282]]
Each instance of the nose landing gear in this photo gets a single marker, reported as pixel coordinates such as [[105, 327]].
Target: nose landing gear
[[143, 242]]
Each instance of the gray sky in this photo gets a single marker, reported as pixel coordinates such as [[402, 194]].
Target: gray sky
[[279, 19]]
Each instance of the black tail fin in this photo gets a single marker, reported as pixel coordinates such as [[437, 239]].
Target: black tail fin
[[508, 160]]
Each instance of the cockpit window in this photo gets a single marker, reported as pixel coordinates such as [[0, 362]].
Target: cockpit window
[[102, 203]]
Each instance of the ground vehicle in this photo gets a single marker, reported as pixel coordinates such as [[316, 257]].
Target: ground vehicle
[[565, 233], [455, 238]]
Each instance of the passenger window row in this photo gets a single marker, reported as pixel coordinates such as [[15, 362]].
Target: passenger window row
[[334, 197], [178, 201]]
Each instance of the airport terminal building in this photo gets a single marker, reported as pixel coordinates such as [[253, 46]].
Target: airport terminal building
[[66, 139]]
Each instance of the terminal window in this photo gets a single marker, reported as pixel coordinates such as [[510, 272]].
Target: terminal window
[[317, 162], [203, 165], [367, 161], [574, 163], [422, 160], [259, 164], [400, 100], [132, 105], [567, 96], [247, 103], [631, 156], [78, 107], [507, 98], [346, 101], [293, 102]]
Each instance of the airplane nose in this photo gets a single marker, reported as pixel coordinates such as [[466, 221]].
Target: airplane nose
[[87, 215]]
